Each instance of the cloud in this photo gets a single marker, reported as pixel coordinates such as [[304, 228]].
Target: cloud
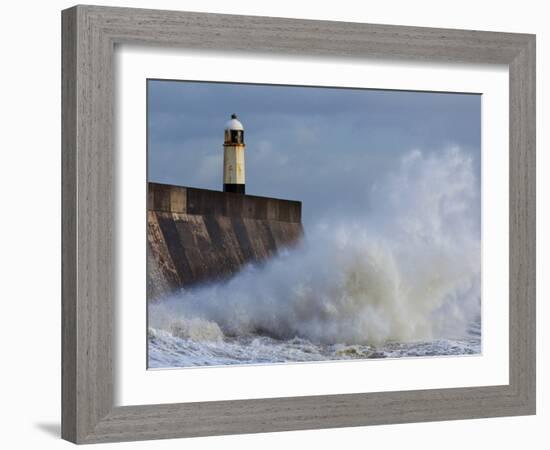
[[209, 168], [318, 145]]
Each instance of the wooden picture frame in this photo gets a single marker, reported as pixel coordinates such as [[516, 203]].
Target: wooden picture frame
[[90, 34]]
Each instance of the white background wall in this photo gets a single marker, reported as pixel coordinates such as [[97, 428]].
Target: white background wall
[[30, 222]]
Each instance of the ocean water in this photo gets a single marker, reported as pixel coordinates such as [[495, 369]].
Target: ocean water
[[169, 351], [400, 279]]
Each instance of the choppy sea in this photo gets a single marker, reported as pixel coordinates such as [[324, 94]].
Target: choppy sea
[[167, 350], [401, 279]]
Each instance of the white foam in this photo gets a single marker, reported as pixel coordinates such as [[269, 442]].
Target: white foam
[[408, 270]]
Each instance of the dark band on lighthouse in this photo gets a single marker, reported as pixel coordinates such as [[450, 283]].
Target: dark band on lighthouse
[[234, 187], [233, 157]]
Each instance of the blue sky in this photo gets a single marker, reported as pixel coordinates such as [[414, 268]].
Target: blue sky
[[323, 146]]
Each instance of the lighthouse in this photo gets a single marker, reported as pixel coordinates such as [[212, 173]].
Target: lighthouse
[[233, 156]]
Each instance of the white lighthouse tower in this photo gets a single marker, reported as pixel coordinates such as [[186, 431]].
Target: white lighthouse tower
[[233, 156]]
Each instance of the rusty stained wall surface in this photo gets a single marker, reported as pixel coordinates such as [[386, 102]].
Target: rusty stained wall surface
[[198, 235]]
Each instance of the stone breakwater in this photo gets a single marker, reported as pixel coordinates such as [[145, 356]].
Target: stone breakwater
[[197, 235]]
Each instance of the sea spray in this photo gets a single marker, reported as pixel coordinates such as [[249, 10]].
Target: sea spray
[[408, 270]]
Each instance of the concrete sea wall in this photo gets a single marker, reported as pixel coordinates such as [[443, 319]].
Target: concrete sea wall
[[198, 235]]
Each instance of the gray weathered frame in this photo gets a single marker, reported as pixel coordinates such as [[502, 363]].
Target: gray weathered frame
[[89, 36]]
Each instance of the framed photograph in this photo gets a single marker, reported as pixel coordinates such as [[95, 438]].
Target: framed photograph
[[278, 224]]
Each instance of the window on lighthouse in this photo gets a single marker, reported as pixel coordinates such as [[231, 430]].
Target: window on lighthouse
[[236, 136]]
